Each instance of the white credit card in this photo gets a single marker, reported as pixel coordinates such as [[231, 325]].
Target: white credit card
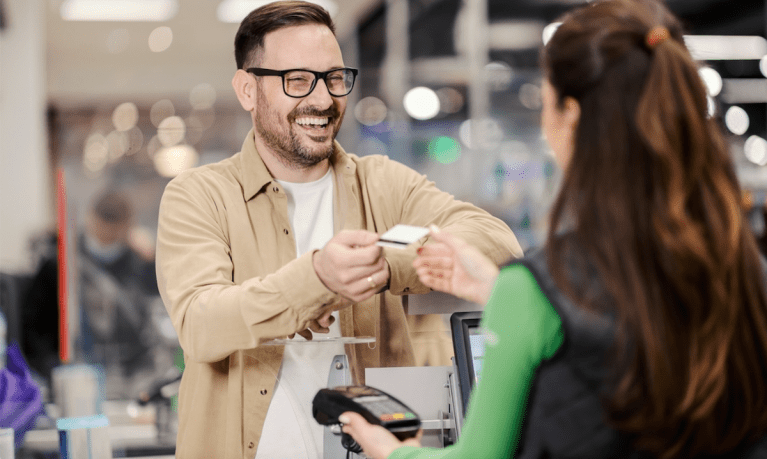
[[400, 236]]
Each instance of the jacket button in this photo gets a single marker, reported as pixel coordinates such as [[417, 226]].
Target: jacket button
[[251, 445], [263, 391], [285, 231], [276, 189]]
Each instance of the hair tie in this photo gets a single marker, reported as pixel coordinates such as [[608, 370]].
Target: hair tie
[[656, 36]]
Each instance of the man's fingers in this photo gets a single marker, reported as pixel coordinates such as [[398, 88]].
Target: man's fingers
[[326, 320], [353, 238], [306, 333], [364, 255], [339, 255], [321, 325]]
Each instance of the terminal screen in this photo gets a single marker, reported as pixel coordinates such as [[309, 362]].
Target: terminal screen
[[477, 350]]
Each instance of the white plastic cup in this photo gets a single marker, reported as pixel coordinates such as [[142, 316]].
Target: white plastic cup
[[77, 390], [7, 448]]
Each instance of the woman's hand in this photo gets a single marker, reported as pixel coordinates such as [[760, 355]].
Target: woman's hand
[[375, 441], [450, 265]]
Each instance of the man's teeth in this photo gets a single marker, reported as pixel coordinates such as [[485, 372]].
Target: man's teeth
[[312, 121]]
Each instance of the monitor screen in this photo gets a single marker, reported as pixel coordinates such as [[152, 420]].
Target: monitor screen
[[469, 349], [476, 350]]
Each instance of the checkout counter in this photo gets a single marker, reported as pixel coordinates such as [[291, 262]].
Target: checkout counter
[[441, 394], [147, 429], [144, 428]]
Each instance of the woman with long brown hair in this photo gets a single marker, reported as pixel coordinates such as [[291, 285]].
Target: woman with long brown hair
[[640, 329]]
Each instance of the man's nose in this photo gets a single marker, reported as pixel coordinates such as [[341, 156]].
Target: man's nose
[[320, 97]]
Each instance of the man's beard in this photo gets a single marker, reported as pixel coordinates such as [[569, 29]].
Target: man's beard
[[286, 142]]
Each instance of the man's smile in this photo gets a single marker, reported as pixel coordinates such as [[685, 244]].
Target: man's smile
[[314, 124]]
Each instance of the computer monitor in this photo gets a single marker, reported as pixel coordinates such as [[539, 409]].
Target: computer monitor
[[469, 348]]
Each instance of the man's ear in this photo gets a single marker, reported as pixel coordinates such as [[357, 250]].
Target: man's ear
[[245, 87]]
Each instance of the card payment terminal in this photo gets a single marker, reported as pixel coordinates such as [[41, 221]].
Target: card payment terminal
[[376, 406]]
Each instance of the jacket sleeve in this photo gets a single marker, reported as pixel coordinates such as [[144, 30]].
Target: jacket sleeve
[[213, 316], [417, 201]]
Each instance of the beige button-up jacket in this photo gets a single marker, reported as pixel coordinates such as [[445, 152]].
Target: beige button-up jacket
[[229, 277]]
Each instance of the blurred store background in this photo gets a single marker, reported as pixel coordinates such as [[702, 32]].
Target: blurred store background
[[115, 97]]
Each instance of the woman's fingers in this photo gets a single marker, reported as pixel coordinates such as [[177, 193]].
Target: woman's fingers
[[376, 441]]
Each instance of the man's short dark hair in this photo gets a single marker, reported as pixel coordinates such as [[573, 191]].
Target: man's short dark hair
[[249, 41]]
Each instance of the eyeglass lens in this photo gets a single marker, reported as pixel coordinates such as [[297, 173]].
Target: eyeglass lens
[[299, 83]]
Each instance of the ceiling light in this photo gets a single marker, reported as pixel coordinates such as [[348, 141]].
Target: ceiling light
[[118, 10], [755, 149], [736, 119], [234, 11], [712, 80], [549, 30], [720, 47]]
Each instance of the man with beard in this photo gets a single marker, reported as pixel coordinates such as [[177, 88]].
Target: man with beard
[[280, 241]]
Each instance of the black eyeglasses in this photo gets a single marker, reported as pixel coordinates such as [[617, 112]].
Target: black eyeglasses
[[300, 82]]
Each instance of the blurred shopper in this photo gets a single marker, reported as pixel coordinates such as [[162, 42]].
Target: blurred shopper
[[640, 330], [107, 243], [40, 311], [116, 286], [272, 241]]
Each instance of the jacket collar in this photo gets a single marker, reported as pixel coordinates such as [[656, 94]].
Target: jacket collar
[[255, 175]]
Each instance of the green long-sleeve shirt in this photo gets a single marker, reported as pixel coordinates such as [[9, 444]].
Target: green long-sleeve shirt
[[522, 329]]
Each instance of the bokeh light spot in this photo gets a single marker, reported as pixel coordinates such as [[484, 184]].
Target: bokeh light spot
[[171, 161], [736, 119], [118, 145], [421, 103], [498, 75], [160, 39], [202, 96], [712, 80], [755, 149], [161, 110], [450, 100], [171, 131], [95, 153], [125, 116], [370, 111], [444, 150], [485, 133], [530, 96], [549, 30]]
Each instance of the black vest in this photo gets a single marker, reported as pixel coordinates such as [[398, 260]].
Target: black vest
[[565, 417]]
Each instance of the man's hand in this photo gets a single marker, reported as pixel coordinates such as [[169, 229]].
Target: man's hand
[[351, 265], [319, 325]]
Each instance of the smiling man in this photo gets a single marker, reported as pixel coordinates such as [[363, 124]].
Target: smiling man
[[279, 241]]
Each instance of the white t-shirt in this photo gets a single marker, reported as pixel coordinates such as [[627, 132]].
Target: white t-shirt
[[290, 431]]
